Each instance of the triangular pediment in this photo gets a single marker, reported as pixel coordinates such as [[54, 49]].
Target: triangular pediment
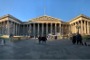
[[45, 19], [10, 17], [80, 16]]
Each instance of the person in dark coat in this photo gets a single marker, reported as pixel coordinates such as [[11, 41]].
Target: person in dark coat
[[79, 39], [74, 39], [39, 38], [55, 37], [43, 39]]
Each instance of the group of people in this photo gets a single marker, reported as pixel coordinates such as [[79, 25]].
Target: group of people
[[42, 39], [77, 38]]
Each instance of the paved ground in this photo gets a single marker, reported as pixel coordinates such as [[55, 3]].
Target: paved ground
[[56, 49]]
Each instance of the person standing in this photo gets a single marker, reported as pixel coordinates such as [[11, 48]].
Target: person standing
[[55, 37]]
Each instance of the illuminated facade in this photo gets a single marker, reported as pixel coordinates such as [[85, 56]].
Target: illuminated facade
[[43, 25]]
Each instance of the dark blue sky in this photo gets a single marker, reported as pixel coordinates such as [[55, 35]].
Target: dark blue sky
[[28, 9]]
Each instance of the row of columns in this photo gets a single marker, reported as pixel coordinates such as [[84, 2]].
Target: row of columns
[[84, 27], [37, 28], [13, 28], [9, 27], [17, 29]]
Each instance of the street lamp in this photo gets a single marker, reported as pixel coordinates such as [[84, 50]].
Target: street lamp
[[78, 27]]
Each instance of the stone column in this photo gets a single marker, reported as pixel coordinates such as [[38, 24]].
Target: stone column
[[42, 29], [81, 27], [26, 29], [34, 30], [51, 28], [19, 29], [69, 29], [59, 28], [14, 28], [38, 30], [46, 28], [11, 27], [8, 28], [72, 28], [22, 30], [75, 28], [30, 29], [55, 29], [78, 23], [87, 27], [2, 28]]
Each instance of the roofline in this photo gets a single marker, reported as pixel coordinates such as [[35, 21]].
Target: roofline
[[8, 15], [81, 15]]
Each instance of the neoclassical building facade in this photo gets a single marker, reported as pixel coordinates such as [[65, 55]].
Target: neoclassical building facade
[[43, 25]]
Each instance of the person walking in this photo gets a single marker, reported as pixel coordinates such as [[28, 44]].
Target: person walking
[[74, 38], [79, 38], [39, 39]]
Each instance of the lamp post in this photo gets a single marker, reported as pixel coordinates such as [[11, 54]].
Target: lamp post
[[78, 27]]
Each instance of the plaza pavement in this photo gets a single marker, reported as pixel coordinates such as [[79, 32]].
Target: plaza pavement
[[53, 49]]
